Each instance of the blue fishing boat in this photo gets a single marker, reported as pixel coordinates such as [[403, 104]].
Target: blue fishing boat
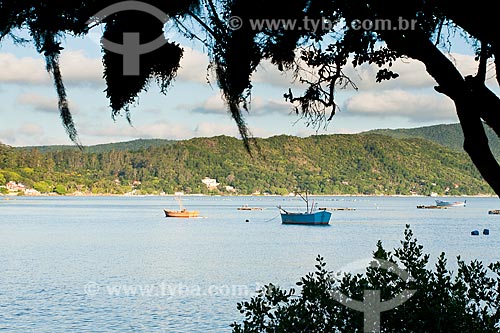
[[309, 217], [316, 218]]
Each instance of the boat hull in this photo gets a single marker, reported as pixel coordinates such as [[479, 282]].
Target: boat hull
[[317, 218], [450, 204], [183, 213]]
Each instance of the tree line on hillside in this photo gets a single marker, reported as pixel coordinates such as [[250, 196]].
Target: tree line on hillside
[[326, 164]]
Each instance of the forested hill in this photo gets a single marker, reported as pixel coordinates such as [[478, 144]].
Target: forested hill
[[329, 164], [128, 145], [448, 135]]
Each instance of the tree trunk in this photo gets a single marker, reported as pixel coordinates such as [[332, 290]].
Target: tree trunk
[[470, 101], [476, 141]]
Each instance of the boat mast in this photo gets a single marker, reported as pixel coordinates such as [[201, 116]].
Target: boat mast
[[178, 199], [306, 199]]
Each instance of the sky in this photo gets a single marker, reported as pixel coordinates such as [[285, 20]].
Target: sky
[[193, 107]]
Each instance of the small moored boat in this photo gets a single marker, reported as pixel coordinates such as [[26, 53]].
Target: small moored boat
[[431, 207], [245, 207], [442, 203], [316, 218], [181, 213], [309, 217]]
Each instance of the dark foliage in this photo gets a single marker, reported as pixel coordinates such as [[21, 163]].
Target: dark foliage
[[465, 301]]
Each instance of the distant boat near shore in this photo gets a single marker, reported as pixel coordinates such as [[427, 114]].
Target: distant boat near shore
[[431, 207], [336, 209], [441, 203], [245, 207]]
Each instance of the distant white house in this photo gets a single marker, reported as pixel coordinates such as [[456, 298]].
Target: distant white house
[[210, 183]]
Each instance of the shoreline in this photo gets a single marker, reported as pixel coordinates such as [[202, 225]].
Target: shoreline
[[11, 195]]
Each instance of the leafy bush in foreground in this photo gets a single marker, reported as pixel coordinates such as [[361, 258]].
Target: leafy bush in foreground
[[444, 301]]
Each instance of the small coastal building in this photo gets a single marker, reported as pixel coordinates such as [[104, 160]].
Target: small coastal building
[[210, 183], [31, 191], [230, 189], [15, 187]]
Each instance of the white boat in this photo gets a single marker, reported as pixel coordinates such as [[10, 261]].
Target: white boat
[[441, 203]]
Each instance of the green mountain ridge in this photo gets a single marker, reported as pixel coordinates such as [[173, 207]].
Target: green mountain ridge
[[448, 135], [133, 145], [323, 164]]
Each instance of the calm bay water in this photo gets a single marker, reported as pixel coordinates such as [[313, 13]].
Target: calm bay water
[[116, 264]]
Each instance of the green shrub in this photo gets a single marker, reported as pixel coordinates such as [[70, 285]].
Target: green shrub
[[60, 189], [444, 301], [42, 187]]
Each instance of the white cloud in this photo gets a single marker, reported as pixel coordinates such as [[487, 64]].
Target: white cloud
[[267, 73], [31, 129], [43, 103], [345, 131], [193, 66], [466, 64], [76, 68], [208, 129], [39, 102], [159, 130], [412, 74], [29, 134], [8, 136], [259, 106], [24, 70], [212, 105], [90, 134], [400, 103]]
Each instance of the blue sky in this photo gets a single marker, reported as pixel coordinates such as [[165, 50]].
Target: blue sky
[[193, 108]]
